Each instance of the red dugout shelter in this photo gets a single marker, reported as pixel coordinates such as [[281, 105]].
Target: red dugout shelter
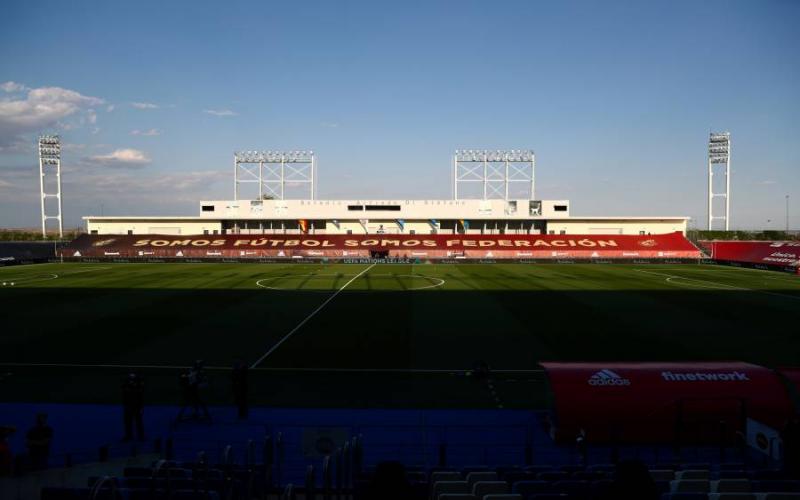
[[664, 402]]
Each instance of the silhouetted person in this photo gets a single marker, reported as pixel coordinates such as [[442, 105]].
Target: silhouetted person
[[38, 439], [632, 481], [239, 387], [791, 448], [6, 457], [581, 446], [192, 383], [133, 406], [389, 482]]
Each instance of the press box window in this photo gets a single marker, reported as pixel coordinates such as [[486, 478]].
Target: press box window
[[560, 208], [355, 207], [208, 208], [390, 208]]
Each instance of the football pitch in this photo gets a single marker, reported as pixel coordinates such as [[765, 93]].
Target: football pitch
[[374, 335]]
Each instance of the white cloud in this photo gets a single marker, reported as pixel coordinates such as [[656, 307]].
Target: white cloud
[[220, 112], [42, 108], [5, 184], [767, 182], [110, 108], [130, 158], [13, 87], [147, 133], [144, 105]]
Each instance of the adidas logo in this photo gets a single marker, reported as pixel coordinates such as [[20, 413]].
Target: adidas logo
[[607, 377]]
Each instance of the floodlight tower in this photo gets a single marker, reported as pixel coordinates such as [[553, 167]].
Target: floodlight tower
[[49, 165], [719, 153], [273, 170], [494, 170]]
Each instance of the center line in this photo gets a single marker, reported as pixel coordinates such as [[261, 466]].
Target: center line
[[305, 320]]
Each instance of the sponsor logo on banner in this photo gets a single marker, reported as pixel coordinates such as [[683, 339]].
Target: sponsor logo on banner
[[76, 254], [178, 254], [102, 243], [608, 378], [734, 376], [110, 253], [648, 243]]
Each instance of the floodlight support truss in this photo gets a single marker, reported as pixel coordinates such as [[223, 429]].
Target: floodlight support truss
[[49, 166], [273, 170], [719, 155], [495, 170]]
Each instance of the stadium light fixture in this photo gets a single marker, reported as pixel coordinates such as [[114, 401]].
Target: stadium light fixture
[[495, 169], [273, 170], [50, 165], [719, 153]]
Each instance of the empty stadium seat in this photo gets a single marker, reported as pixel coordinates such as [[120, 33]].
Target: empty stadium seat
[[731, 486], [504, 496], [552, 475], [662, 474], [684, 496], [688, 474], [690, 486], [442, 487], [445, 475], [483, 488], [527, 488], [775, 486], [474, 477], [512, 477], [457, 496], [572, 487], [732, 496]]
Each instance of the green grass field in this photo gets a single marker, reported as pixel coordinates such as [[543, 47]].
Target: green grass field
[[375, 335]]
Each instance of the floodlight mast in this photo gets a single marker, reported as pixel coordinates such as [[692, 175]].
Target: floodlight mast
[[49, 165], [273, 170], [719, 153], [495, 170]]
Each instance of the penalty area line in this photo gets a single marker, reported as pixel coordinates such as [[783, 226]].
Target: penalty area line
[[305, 320]]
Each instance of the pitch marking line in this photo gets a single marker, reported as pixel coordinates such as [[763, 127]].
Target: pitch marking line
[[305, 320], [670, 277], [434, 282], [47, 276]]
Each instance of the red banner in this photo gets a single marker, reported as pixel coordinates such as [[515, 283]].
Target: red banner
[[768, 253], [662, 402], [438, 246]]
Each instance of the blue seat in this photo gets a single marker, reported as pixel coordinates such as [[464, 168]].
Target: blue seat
[[684, 496], [512, 477], [527, 488], [552, 476], [775, 486], [49, 493], [572, 487]]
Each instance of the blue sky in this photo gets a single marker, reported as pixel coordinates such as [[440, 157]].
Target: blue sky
[[616, 98]]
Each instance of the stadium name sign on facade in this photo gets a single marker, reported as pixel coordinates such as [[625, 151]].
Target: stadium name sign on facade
[[377, 242]]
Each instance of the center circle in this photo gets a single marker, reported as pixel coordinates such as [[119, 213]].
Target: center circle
[[431, 282]]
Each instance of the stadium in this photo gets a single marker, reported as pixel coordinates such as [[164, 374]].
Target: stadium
[[511, 310], [517, 339]]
